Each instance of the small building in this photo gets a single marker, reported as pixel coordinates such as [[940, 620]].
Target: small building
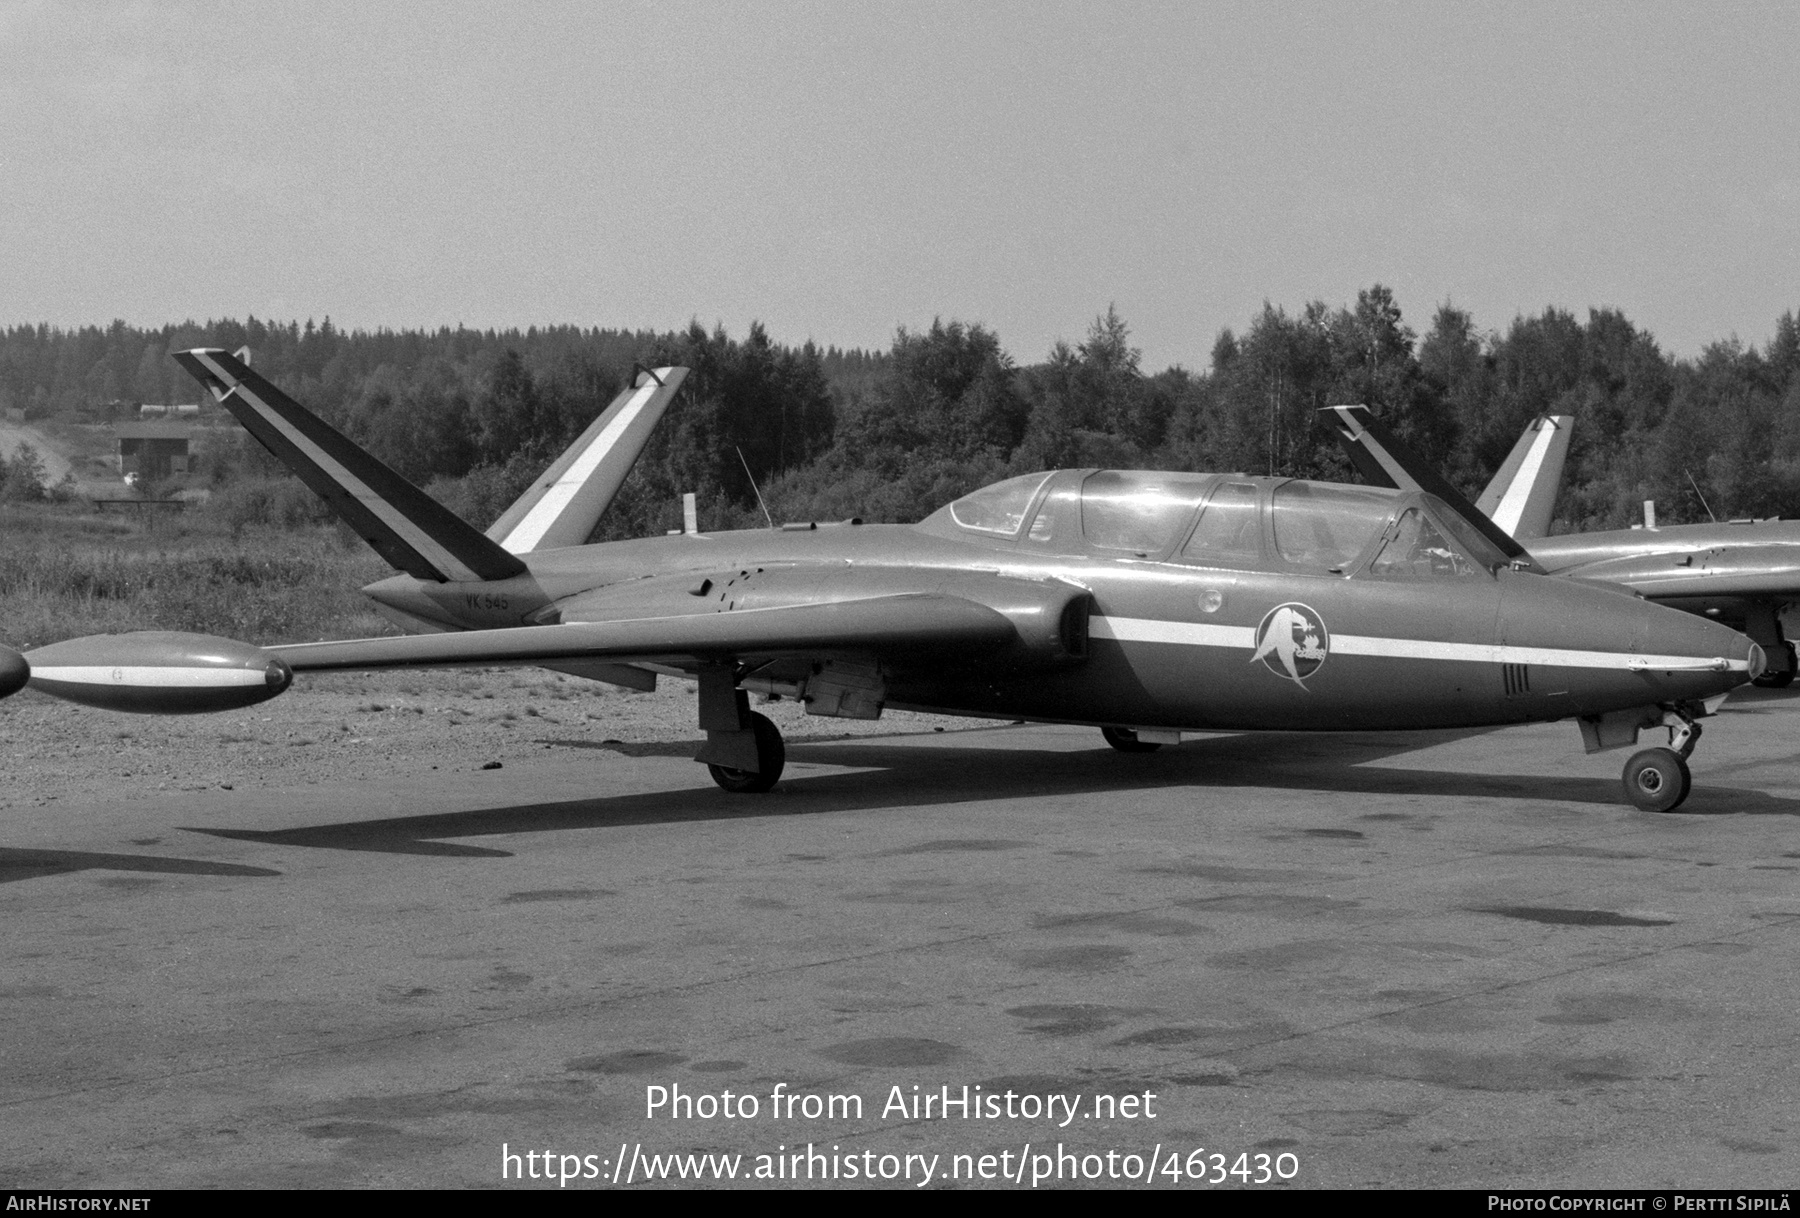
[[153, 450]]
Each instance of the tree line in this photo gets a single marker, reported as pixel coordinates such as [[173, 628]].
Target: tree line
[[827, 433]]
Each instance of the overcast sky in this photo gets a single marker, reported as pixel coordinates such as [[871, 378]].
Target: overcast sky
[[836, 170]]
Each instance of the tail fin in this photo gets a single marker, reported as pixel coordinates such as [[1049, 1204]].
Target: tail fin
[[563, 505], [1384, 461], [413, 531], [1522, 496]]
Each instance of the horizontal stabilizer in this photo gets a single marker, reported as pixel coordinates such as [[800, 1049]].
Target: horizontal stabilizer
[[1385, 461], [407, 527], [563, 505], [1522, 496], [906, 624]]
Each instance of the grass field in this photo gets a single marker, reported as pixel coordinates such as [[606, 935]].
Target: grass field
[[67, 571]]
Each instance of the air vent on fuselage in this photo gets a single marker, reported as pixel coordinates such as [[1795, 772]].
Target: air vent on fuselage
[[1075, 626]]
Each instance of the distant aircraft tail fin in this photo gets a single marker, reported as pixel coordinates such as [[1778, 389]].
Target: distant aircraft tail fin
[[407, 527], [1385, 461], [1522, 496], [563, 505]]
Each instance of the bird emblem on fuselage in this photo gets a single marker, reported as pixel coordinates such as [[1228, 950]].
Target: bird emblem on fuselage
[[1292, 641]]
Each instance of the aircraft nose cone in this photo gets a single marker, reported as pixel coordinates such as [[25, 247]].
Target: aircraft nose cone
[[14, 672], [1725, 658]]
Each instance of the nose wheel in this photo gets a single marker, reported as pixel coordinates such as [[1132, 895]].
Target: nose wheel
[[1658, 780]]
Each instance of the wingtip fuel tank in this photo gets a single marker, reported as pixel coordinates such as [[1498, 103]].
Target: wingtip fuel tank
[[14, 672], [157, 672]]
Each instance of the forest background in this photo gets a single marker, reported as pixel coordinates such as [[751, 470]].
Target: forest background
[[892, 435]]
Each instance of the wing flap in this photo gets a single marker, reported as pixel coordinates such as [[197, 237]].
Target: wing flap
[[913, 626]]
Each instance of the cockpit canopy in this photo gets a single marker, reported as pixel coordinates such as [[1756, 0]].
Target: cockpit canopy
[[1137, 511], [1225, 520]]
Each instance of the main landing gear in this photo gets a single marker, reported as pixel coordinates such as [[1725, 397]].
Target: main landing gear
[[743, 750], [771, 756], [1657, 780], [1126, 740]]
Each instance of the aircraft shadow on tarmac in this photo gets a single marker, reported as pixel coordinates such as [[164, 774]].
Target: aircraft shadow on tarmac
[[899, 775], [34, 864]]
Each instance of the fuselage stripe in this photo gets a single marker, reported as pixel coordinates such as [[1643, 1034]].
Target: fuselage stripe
[[1201, 634], [149, 676]]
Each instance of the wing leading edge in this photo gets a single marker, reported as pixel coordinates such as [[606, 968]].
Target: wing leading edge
[[913, 626]]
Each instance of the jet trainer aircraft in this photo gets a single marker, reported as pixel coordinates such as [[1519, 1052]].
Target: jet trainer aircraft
[[1745, 573], [1142, 603]]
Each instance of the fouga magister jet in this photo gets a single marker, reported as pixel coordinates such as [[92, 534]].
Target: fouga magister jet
[[1141, 603], [1745, 573]]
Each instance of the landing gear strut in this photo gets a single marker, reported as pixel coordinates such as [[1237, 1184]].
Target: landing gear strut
[[1126, 740], [771, 756], [1657, 780]]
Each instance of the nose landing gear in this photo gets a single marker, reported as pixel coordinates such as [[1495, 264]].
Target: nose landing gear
[[1657, 780]]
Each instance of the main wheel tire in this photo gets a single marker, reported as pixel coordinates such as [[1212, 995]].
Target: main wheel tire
[[1657, 780], [1126, 740], [1784, 678], [771, 755]]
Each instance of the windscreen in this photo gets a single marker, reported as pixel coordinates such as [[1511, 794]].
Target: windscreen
[[1488, 555], [1418, 550], [999, 508], [1324, 526], [1138, 511]]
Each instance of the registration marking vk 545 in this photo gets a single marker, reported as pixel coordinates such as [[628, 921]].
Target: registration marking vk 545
[[1203, 634]]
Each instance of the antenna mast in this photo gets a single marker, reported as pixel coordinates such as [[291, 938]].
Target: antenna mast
[[753, 486]]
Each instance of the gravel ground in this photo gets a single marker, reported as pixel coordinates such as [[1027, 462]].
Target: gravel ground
[[362, 725]]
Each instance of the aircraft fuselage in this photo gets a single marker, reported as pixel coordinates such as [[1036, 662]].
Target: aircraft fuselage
[[1168, 642]]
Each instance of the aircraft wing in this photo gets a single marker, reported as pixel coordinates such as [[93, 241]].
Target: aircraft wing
[[1522, 496], [908, 626], [1751, 572]]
